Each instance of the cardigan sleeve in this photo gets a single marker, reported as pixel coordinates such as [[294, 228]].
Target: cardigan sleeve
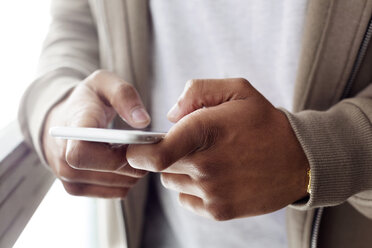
[[338, 145], [69, 54]]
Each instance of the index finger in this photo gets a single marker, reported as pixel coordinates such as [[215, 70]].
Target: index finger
[[122, 96]]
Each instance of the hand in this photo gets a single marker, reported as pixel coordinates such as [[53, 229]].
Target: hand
[[231, 154], [89, 168]]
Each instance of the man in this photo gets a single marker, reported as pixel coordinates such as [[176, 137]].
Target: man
[[231, 153]]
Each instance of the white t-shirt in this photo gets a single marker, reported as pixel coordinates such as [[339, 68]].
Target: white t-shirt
[[254, 39]]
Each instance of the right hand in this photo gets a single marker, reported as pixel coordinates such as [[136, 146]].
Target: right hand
[[90, 168]]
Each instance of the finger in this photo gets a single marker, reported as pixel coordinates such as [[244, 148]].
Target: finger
[[193, 164], [199, 93], [128, 170], [94, 156], [193, 204], [190, 135], [68, 174], [122, 96], [211, 211], [81, 189], [180, 183]]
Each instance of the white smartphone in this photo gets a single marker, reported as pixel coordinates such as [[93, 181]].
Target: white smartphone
[[113, 136]]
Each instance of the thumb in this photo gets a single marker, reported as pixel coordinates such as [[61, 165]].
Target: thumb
[[199, 93], [120, 95]]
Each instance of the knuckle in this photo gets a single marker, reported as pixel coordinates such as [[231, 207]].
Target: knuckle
[[97, 75], [139, 173], [219, 212], [204, 169], [165, 180], [160, 162], [74, 188], [74, 155], [209, 136], [125, 91], [243, 83], [201, 172], [182, 101], [200, 123], [136, 173], [194, 83], [194, 86], [194, 123], [210, 191], [190, 83], [182, 199], [131, 181], [203, 190], [67, 173]]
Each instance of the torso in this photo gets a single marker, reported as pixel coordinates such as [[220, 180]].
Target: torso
[[257, 40]]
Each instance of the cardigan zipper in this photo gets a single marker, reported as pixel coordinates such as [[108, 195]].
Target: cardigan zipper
[[346, 93], [315, 228], [358, 62]]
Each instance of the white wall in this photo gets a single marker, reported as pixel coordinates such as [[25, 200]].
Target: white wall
[[23, 26], [61, 220]]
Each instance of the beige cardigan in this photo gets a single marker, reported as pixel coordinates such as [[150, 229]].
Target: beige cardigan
[[336, 136]]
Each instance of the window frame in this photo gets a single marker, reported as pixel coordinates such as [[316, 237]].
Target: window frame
[[24, 181]]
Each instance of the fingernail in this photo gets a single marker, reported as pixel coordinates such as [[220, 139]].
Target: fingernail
[[173, 111], [139, 115]]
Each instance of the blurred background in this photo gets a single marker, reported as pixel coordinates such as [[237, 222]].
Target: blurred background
[[60, 220]]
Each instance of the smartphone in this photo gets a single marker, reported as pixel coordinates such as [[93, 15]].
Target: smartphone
[[113, 136]]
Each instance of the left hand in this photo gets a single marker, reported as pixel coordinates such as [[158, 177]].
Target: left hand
[[236, 157]]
